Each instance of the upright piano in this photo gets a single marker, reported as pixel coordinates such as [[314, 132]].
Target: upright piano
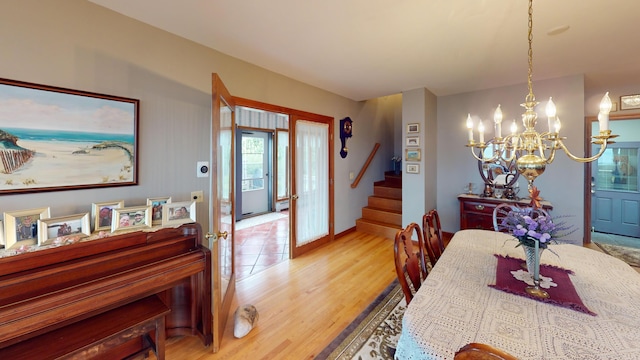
[[65, 287]]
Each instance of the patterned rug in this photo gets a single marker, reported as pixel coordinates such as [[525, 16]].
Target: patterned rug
[[629, 255], [374, 333]]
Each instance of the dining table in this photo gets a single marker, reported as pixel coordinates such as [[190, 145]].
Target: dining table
[[474, 294]]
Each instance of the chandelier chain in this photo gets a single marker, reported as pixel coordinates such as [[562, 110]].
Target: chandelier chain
[[530, 97]]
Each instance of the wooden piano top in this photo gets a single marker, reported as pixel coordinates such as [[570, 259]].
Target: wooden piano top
[[48, 289]]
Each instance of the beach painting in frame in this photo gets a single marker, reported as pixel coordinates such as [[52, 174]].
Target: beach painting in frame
[[59, 139]]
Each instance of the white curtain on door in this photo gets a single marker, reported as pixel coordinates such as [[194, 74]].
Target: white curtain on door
[[312, 181]]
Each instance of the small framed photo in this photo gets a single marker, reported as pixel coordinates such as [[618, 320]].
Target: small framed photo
[[412, 141], [413, 128], [21, 227], [50, 230], [412, 155], [156, 208], [129, 218], [413, 168], [101, 214], [628, 102], [179, 213]]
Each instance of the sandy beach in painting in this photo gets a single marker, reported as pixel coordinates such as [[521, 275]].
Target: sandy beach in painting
[[61, 163]]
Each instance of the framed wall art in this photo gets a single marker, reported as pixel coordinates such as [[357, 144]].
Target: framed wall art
[[51, 230], [21, 227], [413, 128], [628, 102], [62, 139], [412, 141], [179, 213], [101, 214], [129, 218], [412, 155], [156, 208], [413, 168]]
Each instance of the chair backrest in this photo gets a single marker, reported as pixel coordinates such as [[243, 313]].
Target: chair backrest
[[410, 267], [432, 233], [499, 213], [476, 351]]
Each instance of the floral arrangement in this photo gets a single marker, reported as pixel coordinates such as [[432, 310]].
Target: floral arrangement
[[532, 224]]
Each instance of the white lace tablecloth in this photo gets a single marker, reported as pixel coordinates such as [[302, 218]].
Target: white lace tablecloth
[[455, 306]]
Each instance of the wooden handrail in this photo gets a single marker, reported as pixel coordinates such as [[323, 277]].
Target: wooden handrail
[[365, 166]]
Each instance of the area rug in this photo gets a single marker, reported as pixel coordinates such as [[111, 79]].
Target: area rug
[[629, 255], [259, 220], [374, 333]]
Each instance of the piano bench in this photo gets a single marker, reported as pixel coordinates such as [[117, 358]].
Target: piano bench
[[99, 334]]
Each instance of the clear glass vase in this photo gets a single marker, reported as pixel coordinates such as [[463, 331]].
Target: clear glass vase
[[533, 263]]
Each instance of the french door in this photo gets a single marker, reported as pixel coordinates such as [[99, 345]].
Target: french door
[[311, 222], [222, 208]]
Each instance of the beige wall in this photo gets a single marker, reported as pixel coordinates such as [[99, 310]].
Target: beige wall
[[79, 45]]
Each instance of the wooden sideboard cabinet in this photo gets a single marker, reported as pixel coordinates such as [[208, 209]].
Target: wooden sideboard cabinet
[[476, 212]]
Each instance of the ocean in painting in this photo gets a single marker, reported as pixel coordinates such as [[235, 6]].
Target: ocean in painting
[[67, 136]]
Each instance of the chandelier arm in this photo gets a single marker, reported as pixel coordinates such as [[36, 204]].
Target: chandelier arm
[[603, 147]]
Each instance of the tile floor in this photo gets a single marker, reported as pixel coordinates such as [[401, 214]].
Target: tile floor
[[261, 246], [615, 239]]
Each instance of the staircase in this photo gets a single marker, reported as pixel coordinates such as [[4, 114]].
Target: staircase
[[383, 214]]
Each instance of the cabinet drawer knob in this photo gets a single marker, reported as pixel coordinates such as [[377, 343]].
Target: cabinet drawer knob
[[479, 207]]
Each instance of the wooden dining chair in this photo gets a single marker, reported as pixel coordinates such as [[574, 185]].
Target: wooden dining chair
[[432, 234], [499, 213], [410, 267], [477, 351]]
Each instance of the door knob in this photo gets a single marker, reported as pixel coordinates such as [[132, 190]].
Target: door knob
[[294, 197], [214, 237]]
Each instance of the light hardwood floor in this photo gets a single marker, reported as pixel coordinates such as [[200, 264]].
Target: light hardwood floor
[[303, 303]]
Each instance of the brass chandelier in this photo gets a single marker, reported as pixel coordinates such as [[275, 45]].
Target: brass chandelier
[[532, 150]]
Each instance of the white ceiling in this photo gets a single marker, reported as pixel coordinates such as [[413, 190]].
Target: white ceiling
[[362, 49]]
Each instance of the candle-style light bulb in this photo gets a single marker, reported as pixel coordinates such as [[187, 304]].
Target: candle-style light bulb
[[481, 131], [605, 108], [470, 127], [557, 125], [551, 113], [514, 129], [497, 119]]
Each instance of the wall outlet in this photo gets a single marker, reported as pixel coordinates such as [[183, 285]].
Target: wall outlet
[[352, 175], [197, 196]]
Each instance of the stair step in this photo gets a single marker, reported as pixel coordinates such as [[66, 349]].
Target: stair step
[[382, 215], [387, 191], [385, 203], [377, 228]]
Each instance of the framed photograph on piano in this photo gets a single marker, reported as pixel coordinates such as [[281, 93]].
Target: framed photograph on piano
[[21, 227], [130, 218], [179, 213], [63, 230], [101, 214]]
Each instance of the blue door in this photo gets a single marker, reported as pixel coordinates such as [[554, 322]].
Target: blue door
[[615, 202]]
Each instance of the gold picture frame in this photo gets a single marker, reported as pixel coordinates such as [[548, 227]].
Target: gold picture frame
[[413, 128], [629, 102], [101, 214], [413, 168], [156, 208], [51, 230], [412, 155], [174, 213], [21, 227], [130, 218]]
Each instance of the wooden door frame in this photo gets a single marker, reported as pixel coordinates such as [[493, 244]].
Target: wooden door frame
[[293, 113]]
